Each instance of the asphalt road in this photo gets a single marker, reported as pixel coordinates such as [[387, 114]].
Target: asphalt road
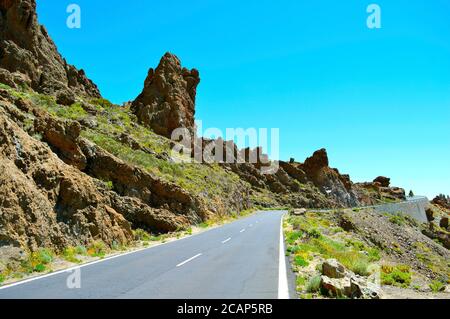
[[238, 260]]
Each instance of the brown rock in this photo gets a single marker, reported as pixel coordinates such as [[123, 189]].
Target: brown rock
[[26, 48], [167, 101], [62, 136], [46, 203], [430, 214], [316, 162], [333, 269], [442, 201], [444, 222], [383, 181]]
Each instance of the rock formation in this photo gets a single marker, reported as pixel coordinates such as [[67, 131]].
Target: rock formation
[[29, 57], [167, 101], [442, 201], [329, 180]]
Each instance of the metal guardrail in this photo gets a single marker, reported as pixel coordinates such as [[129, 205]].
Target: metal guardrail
[[414, 207]]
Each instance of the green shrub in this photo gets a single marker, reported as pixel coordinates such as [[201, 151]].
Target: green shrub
[[314, 233], [97, 249], [39, 268], [141, 235], [374, 254], [104, 103], [397, 219], [292, 236], [44, 256], [70, 254], [293, 249], [81, 250], [396, 275], [2, 278], [436, 286], [300, 261], [313, 284], [300, 281]]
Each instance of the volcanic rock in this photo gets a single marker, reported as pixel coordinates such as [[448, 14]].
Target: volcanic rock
[[383, 181], [26, 48], [167, 101]]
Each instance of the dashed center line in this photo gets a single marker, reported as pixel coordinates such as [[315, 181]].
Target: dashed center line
[[243, 230], [188, 260], [226, 240]]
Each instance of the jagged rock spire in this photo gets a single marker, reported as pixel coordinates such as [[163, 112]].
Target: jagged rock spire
[[167, 101]]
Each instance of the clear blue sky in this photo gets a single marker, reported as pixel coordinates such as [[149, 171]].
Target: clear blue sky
[[378, 100]]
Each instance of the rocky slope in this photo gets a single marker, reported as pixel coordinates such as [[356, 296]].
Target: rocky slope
[[29, 57], [76, 168]]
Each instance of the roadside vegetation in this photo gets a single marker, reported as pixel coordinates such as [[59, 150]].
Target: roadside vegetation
[[311, 239], [372, 245]]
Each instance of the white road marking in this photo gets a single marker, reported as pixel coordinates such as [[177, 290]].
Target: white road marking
[[188, 260], [226, 240], [251, 225], [283, 289], [243, 230]]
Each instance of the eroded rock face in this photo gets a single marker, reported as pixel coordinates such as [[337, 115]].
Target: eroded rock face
[[29, 56], [442, 201], [329, 180], [46, 203], [383, 181], [167, 101]]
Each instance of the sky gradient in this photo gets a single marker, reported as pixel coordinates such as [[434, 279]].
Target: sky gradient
[[377, 100]]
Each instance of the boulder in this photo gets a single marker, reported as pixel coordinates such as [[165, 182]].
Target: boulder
[[339, 282], [430, 214], [336, 287], [11, 257], [333, 269], [299, 211], [444, 222], [65, 97]]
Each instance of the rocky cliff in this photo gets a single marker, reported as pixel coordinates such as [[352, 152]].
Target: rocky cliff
[[29, 57]]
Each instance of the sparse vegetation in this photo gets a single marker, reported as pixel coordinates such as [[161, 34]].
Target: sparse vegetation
[[97, 249], [37, 261], [436, 286], [313, 285], [399, 275], [70, 254]]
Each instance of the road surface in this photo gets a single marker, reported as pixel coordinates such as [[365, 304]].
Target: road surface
[[242, 259]]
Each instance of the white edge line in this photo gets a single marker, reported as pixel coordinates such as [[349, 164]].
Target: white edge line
[[283, 289], [226, 240], [188, 260]]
